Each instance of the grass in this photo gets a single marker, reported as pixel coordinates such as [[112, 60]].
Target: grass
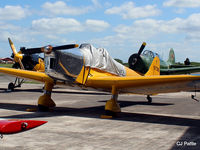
[[6, 65], [10, 66], [31, 82]]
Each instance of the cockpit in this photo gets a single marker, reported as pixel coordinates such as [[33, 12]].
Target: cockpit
[[149, 53], [66, 64]]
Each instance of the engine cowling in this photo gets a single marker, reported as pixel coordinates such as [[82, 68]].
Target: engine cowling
[[136, 63]]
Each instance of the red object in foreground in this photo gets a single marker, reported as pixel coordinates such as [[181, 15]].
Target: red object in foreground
[[11, 126]]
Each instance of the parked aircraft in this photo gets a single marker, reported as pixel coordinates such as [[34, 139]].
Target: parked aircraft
[[142, 60], [89, 67]]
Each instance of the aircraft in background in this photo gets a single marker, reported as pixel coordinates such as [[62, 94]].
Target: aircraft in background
[[89, 67], [11, 126], [142, 60], [25, 60]]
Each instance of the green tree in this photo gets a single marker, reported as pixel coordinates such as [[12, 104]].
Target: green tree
[[119, 61]]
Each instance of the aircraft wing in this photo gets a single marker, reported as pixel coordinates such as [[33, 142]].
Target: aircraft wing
[[147, 85], [184, 70], [180, 66], [38, 76]]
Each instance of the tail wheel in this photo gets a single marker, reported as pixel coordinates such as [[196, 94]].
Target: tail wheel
[[149, 99]]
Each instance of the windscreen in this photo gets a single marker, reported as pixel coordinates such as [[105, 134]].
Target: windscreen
[[65, 64]]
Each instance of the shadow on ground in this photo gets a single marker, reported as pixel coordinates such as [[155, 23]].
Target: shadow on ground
[[96, 111]]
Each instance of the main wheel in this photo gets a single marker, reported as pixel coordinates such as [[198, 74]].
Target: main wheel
[[11, 86]]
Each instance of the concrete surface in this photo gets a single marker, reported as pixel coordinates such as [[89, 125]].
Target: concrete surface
[[171, 122]]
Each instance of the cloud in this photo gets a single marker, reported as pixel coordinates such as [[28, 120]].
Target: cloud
[[13, 13], [191, 24], [56, 25], [147, 28], [182, 3], [7, 26], [50, 27], [162, 34], [9, 30], [128, 10], [96, 3], [96, 25], [61, 8]]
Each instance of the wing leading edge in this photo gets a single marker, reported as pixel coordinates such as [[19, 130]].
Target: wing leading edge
[[38, 76], [150, 83], [183, 70]]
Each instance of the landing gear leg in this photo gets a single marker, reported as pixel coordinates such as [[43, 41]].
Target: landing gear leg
[[112, 107], [17, 83], [149, 99], [45, 102]]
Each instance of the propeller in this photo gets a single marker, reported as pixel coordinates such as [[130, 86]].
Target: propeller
[[24, 59], [141, 48], [17, 56], [135, 61], [47, 49]]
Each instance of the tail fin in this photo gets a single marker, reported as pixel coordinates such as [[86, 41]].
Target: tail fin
[[154, 69], [171, 58]]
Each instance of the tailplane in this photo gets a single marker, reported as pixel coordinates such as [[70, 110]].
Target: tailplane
[[171, 58], [154, 69]]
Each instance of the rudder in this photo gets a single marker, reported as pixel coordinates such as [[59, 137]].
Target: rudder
[[171, 58]]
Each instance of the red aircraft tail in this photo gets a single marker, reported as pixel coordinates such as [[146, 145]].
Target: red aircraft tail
[[10, 126]]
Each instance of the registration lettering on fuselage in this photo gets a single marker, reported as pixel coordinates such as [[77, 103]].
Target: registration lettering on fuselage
[[156, 68]]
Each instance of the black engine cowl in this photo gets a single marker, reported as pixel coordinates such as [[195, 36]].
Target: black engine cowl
[[135, 63]]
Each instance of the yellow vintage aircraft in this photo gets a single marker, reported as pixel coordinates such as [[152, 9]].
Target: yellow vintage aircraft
[[89, 67]]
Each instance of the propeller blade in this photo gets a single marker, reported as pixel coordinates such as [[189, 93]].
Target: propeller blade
[[12, 46], [30, 51], [17, 56], [70, 46], [21, 64], [47, 49], [142, 48]]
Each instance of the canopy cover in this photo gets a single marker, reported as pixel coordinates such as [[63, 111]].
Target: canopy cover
[[100, 59]]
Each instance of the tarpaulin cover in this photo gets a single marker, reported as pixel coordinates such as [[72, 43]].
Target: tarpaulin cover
[[100, 59]]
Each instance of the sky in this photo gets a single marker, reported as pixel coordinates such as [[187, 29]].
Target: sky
[[119, 26]]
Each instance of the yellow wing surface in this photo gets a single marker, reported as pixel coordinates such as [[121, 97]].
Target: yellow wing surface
[[38, 76], [150, 83], [146, 85]]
